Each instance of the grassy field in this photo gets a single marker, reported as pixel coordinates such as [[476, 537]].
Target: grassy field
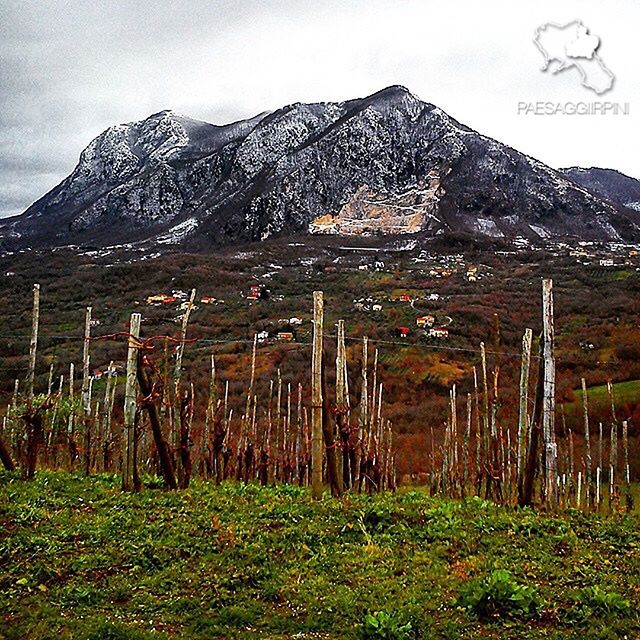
[[79, 559], [623, 393]]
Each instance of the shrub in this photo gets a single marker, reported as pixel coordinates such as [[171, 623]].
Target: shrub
[[499, 595], [598, 602], [376, 518], [381, 625]]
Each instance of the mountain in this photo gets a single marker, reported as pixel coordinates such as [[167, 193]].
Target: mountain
[[388, 164], [607, 183]]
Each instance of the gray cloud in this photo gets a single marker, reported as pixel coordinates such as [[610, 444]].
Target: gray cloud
[[71, 68]]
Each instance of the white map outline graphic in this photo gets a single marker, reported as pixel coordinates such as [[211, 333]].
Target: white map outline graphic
[[577, 53]]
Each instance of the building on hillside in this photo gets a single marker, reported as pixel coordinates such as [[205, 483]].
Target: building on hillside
[[606, 262], [376, 307], [94, 322], [403, 332], [263, 337], [441, 333], [106, 372], [208, 300], [285, 336], [425, 321], [405, 297], [295, 322], [160, 298], [255, 292]]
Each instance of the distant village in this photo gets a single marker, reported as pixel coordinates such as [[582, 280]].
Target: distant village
[[586, 253], [427, 325]]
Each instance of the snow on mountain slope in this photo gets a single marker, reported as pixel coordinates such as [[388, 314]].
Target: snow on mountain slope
[[609, 184], [355, 162]]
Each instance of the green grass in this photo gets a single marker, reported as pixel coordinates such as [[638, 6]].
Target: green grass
[[623, 392], [80, 560]]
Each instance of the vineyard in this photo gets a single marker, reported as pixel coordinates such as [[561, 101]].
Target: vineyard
[[143, 499], [303, 434]]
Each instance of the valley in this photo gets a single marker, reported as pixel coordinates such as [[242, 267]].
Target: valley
[[424, 307]]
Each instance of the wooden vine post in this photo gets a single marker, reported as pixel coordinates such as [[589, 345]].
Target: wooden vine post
[[488, 439], [362, 420], [316, 396], [627, 484], [342, 423], [33, 345], [587, 443], [178, 433], [86, 391], [130, 404], [523, 413], [33, 416], [549, 395], [525, 493]]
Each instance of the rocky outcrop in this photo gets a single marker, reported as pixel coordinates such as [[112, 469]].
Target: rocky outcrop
[[389, 163]]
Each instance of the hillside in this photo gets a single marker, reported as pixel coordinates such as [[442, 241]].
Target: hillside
[[607, 183], [596, 306], [385, 164]]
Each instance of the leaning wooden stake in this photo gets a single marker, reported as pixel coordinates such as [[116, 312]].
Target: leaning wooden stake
[[316, 396], [153, 396], [212, 403], [33, 346], [549, 395], [177, 376], [613, 450], [130, 403]]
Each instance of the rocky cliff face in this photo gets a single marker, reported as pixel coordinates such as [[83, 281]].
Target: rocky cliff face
[[389, 163]]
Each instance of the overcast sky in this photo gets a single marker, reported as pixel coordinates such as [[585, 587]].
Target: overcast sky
[[69, 69]]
